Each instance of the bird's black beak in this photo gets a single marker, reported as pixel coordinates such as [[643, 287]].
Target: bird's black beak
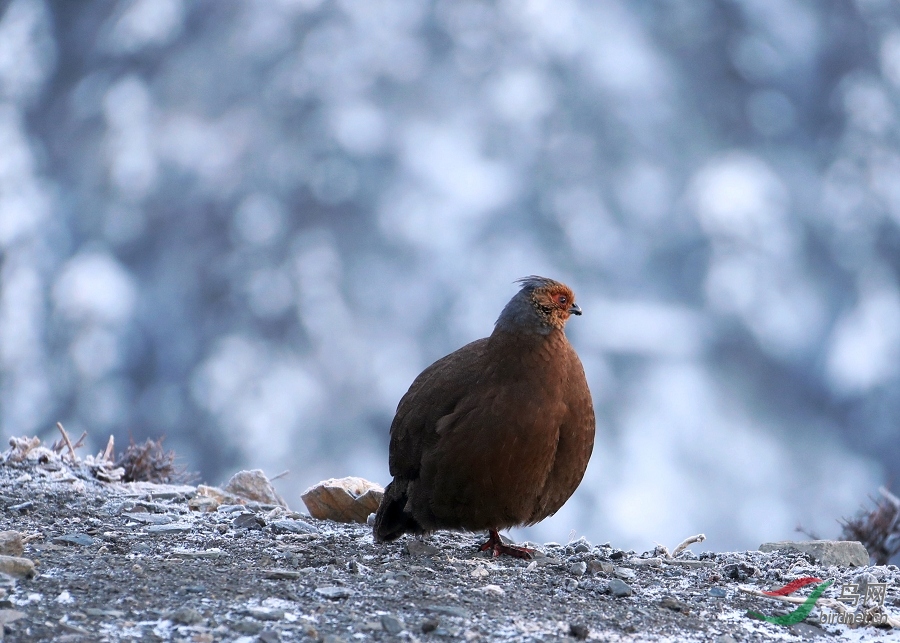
[[574, 310]]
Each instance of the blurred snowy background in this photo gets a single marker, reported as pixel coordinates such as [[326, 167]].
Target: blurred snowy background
[[247, 226]]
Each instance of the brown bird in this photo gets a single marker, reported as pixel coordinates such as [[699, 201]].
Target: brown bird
[[496, 434]]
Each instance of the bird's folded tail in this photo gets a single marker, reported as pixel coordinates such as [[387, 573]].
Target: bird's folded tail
[[391, 520]]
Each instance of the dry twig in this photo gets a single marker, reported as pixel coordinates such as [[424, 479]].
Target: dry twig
[[67, 441]]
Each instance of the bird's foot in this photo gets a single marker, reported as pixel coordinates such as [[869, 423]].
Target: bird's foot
[[498, 547]]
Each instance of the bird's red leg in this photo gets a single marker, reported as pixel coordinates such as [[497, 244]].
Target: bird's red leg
[[495, 544]]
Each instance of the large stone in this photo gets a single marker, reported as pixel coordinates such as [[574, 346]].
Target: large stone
[[343, 499], [18, 567], [11, 543], [254, 485], [842, 553]]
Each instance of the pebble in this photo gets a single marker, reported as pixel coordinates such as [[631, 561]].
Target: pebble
[[625, 573], [174, 528], [185, 616], [17, 566], [8, 616], [578, 569], [601, 566], [247, 626], [579, 631], [391, 624], [229, 509], [282, 574], [416, 548], [620, 588], [333, 592], [248, 521], [265, 613], [496, 590], [670, 602], [570, 585], [291, 526], [203, 504], [11, 543], [75, 539], [717, 592], [429, 625], [450, 610], [269, 636], [149, 518], [196, 553]]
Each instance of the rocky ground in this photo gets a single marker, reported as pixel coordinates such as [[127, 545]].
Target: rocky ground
[[142, 562]]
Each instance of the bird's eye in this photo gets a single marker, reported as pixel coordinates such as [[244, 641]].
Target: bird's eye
[[563, 299]]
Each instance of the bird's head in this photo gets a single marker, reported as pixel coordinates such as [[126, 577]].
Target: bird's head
[[540, 306]]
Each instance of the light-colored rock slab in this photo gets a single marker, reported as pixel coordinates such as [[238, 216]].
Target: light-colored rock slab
[[842, 553], [343, 499]]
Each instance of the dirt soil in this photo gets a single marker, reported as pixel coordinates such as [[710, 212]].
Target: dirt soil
[[132, 562]]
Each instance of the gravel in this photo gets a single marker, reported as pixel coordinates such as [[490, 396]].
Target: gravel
[[98, 568]]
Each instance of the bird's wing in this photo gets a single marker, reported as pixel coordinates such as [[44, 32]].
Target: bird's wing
[[433, 395]]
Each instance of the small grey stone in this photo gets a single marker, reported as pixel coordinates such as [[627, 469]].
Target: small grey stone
[[842, 553], [429, 625], [197, 553], [578, 569], [582, 548], [291, 526], [332, 638], [174, 528], [725, 638], [670, 602], [578, 631], [391, 624], [370, 520], [248, 521], [717, 592], [186, 616], [229, 509], [625, 573], [247, 626], [76, 539], [265, 614], [149, 518], [8, 616], [806, 630], [282, 574], [600, 566], [570, 585], [620, 588], [450, 610], [333, 592], [269, 636], [416, 548]]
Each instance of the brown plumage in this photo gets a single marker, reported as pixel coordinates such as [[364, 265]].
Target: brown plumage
[[496, 434]]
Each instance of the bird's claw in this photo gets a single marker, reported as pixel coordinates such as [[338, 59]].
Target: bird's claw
[[498, 547]]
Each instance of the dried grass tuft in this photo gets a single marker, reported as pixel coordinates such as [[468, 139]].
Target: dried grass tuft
[[877, 529], [150, 462]]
